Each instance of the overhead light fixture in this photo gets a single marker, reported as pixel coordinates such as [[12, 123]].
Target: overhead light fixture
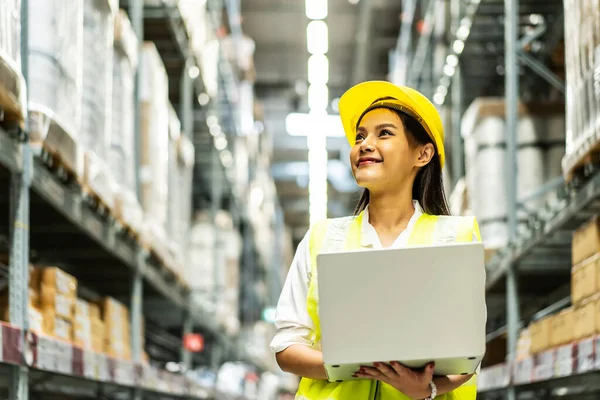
[[212, 120], [203, 99], [215, 129], [458, 46], [353, 1], [452, 60], [220, 142], [194, 72], [317, 37], [439, 99], [449, 70], [301, 124], [316, 9], [318, 97], [318, 69]]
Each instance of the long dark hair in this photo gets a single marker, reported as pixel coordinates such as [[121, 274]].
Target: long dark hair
[[428, 187]]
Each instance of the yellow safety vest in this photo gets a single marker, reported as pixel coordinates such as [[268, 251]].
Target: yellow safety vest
[[344, 234]]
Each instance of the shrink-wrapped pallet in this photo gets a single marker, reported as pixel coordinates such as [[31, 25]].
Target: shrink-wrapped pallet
[[212, 266], [154, 136], [55, 77], [181, 164], [12, 96], [122, 138], [10, 32], [484, 132], [127, 208], [98, 39], [582, 66]]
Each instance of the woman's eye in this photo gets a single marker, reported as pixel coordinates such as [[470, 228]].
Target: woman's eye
[[360, 137], [385, 132]]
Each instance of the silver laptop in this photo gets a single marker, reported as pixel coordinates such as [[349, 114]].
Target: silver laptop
[[412, 305]]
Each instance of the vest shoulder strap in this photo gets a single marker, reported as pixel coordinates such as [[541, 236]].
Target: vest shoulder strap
[[327, 236]]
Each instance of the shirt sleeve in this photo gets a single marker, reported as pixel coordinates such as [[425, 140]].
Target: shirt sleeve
[[293, 324]]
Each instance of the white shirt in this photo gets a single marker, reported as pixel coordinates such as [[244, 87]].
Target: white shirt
[[292, 321]]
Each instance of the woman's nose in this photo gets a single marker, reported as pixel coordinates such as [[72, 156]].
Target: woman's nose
[[367, 144]]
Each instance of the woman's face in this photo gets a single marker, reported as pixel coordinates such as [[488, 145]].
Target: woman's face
[[382, 156]]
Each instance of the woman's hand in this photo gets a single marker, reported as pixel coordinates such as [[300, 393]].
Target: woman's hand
[[412, 383]]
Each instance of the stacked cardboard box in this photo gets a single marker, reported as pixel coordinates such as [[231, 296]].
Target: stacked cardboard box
[[115, 316], [585, 279], [88, 328], [57, 293]]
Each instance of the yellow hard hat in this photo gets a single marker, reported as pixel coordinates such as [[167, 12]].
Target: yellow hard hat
[[381, 94]]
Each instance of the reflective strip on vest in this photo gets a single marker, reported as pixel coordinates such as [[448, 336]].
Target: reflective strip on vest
[[344, 234]]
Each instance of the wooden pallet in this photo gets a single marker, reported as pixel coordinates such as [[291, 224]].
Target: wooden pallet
[[96, 201], [581, 165], [54, 161], [127, 231], [11, 84], [54, 144]]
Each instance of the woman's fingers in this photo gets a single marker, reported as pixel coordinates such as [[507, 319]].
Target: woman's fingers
[[399, 368]]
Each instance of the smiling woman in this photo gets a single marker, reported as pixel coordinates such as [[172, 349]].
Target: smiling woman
[[397, 156]]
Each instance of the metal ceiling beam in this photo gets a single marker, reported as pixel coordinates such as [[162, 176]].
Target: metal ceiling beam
[[363, 34]]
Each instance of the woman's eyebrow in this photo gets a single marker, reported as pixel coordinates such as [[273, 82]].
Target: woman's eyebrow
[[378, 127]]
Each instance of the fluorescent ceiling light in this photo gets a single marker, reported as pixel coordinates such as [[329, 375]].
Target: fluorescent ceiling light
[[317, 37], [316, 9], [203, 99], [301, 124], [318, 69], [318, 97], [458, 46], [194, 72]]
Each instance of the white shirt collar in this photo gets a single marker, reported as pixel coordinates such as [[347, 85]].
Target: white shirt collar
[[370, 238]]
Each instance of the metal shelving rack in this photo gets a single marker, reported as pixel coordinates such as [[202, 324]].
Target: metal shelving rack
[[61, 226], [531, 276]]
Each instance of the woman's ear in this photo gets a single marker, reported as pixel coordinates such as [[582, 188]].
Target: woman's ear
[[425, 154]]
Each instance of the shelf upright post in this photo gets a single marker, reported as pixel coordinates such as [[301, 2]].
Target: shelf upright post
[[511, 10], [187, 117], [136, 13], [137, 293], [188, 327], [187, 99], [19, 234], [457, 105]]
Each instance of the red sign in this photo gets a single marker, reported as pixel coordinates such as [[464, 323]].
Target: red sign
[[193, 342]]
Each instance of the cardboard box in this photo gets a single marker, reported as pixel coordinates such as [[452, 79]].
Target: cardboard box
[[85, 330], [63, 283], [56, 326], [585, 279], [112, 310], [86, 309], [62, 305], [586, 241], [523, 345], [586, 318], [540, 334], [562, 327]]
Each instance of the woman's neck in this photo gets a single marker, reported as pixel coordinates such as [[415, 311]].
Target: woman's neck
[[390, 212]]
